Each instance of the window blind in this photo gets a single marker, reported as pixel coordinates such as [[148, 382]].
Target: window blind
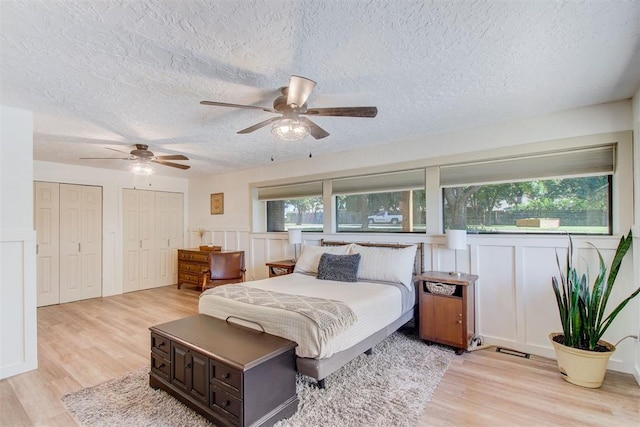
[[377, 183], [588, 161], [291, 191]]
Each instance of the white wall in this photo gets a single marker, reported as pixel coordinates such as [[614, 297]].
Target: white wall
[[516, 307], [636, 217], [112, 183], [18, 328]]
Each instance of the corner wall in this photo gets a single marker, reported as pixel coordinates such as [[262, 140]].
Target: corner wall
[[18, 329]]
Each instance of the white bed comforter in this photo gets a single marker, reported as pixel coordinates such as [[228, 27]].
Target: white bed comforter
[[376, 305]]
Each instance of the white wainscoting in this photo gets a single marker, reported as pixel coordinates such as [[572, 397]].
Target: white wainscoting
[[515, 303], [18, 304]]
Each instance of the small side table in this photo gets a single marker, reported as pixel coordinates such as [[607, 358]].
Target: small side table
[[447, 319], [280, 268]]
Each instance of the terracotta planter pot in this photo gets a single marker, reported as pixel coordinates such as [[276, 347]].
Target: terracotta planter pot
[[582, 367]]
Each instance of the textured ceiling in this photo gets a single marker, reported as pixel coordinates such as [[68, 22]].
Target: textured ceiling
[[114, 73]]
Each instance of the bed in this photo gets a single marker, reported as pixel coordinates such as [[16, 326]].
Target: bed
[[333, 312]]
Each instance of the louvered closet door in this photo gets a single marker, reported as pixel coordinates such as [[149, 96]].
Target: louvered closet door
[[47, 223]]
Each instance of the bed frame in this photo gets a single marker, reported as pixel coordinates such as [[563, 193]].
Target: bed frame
[[319, 369]]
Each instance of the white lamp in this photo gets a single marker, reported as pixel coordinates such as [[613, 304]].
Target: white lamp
[[295, 238], [456, 239]]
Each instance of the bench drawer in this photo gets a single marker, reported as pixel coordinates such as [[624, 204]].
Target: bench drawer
[[231, 379], [160, 345], [228, 404]]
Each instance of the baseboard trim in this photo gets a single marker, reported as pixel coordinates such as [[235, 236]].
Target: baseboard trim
[[636, 374]]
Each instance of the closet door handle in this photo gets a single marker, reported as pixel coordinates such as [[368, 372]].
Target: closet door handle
[[140, 244], [79, 247]]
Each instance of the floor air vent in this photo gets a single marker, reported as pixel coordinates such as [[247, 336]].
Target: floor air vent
[[512, 352]]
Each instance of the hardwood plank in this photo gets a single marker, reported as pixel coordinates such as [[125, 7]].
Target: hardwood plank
[[84, 343]]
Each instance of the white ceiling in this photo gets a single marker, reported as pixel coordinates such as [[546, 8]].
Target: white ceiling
[[114, 73]]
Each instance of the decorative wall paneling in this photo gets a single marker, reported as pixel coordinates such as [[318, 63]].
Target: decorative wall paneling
[[68, 221], [152, 234], [515, 303]]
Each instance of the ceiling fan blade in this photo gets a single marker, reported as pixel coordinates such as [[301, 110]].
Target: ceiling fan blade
[[259, 125], [172, 157], [173, 165], [105, 158], [314, 130], [226, 104], [343, 111], [119, 151], [299, 90]]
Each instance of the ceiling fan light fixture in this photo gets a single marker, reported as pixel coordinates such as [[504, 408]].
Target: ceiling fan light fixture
[[290, 129], [141, 167]]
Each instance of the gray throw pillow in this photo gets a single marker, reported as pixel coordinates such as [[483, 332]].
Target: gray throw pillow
[[342, 268]]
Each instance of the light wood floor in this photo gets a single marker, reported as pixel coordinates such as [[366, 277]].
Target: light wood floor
[[85, 343]]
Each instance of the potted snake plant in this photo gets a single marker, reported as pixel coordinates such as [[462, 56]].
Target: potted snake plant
[[581, 353]]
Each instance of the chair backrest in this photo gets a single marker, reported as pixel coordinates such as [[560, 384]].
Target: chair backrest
[[226, 265]]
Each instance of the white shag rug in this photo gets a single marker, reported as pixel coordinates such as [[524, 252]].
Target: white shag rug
[[390, 387]]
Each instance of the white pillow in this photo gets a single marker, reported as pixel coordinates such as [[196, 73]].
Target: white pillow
[[386, 264], [310, 257]]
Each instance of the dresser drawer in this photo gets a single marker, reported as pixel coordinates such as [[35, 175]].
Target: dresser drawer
[[189, 277], [193, 256], [160, 345], [192, 267], [227, 378], [225, 403], [160, 366]]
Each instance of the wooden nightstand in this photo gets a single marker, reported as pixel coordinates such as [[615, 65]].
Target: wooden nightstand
[[448, 319], [280, 268]]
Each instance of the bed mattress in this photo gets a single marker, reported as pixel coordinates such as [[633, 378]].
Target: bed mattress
[[375, 305]]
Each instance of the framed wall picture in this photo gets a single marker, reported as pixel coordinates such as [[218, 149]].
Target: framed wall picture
[[217, 203]]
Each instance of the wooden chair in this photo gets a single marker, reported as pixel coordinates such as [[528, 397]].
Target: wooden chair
[[224, 268]]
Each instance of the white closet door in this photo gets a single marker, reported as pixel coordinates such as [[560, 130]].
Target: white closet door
[[91, 242], [70, 241], [176, 235], [163, 249], [47, 218], [131, 240], [147, 239]]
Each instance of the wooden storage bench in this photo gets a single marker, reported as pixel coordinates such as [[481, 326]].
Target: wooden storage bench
[[233, 376]]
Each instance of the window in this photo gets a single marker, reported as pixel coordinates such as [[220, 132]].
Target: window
[[389, 202], [299, 205], [306, 213], [580, 205]]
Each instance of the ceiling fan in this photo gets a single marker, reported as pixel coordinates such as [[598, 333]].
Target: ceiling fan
[[143, 158], [292, 105]]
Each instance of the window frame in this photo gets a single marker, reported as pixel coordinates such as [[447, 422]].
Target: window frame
[[621, 212]]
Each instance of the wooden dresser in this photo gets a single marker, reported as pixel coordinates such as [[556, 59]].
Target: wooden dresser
[[191, 264], [232, 375]]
